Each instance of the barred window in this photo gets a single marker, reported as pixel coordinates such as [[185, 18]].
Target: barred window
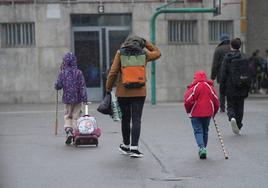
[[18, 34], [182, 31], [217, 27]]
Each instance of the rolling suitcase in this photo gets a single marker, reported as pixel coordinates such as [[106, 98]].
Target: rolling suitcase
[[86, 131]]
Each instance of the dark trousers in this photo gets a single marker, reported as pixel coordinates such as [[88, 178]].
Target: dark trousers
[[235, 109], [222, 99], [253, 84], [131, 108], [222, 102]]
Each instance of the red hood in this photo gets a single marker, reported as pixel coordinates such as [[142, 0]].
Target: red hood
[[200, 76]]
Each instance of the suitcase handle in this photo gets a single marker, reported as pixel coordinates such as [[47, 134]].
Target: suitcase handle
[[86, 108]]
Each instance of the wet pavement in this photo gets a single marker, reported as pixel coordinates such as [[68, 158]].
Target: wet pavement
[[32, 156]]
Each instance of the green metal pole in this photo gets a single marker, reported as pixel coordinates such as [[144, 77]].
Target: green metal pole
[[152, 32], [153, 84]]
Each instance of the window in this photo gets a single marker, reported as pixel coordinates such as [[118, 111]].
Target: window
[[18, 34], [182, 31], [217, 27]]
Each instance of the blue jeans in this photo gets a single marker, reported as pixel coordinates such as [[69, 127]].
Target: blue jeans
[[200, 126]]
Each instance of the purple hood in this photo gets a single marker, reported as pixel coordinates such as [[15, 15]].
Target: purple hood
[[72, 81]]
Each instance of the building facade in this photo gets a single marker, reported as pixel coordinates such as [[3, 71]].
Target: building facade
[[35, 34], [257, 35]]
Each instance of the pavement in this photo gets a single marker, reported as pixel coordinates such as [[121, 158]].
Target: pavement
[[32, 156]]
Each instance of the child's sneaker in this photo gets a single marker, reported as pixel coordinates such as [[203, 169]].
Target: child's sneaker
[[69, 135], [234, 126], [135, 153], [125, 150], [202, 153]]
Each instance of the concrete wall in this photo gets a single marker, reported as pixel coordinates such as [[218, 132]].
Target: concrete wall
[[27, 74], [257, 36]]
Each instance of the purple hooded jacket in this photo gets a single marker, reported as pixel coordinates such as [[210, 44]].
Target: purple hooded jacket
[[72, 81]]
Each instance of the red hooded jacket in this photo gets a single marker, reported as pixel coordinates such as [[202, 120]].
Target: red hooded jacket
[[200, 99]]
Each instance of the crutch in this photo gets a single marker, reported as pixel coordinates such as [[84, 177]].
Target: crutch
[[220, 138], [57, 109]]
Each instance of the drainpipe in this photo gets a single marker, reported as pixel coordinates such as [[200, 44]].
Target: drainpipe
[[152, 33]]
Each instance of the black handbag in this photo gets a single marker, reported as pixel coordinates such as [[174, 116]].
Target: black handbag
[[105, 105]]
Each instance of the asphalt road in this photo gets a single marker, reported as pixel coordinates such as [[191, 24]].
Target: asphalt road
[[31, 156]]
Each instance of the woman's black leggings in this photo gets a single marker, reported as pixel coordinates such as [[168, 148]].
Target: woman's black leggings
[[131, 108]]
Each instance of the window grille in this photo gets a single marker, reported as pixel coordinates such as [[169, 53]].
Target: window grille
[[217, 27], [182, 31], [18, 34]]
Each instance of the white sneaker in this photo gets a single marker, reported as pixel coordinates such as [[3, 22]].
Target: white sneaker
[[234, 126]]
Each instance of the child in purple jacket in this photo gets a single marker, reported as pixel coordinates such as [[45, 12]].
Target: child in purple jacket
[[72, 81]]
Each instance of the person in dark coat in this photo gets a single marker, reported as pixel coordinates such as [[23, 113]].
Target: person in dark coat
[[253, 73], [257, 61], [219, 53], [235, 95]]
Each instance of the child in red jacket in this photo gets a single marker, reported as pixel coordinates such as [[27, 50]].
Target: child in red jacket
[[201, 103]]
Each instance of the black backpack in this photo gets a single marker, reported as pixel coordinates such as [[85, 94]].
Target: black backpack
[[240, 72]]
